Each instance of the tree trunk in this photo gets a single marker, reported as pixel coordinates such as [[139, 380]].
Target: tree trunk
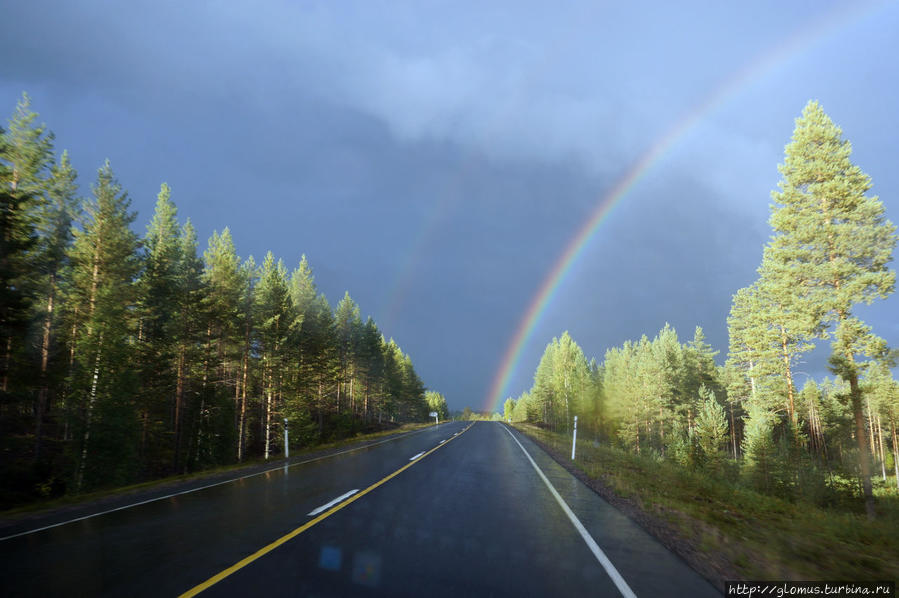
[[45, 358], [791, 409], [204, 388], [179, 396], [883, 465], [243, 408], [79, 478], [71, 371], [751, 380], [661, 430], [871, 439], [733, 430], [862, 438], [895, 450], [637, 434], [268, 422], [7, 351], [321, 422]]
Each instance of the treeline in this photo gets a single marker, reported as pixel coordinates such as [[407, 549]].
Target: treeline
[[125, 358], [749, 419]]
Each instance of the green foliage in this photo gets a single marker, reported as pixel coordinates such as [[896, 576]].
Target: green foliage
[[437, 402], [711, 428], [562, 382], [101, 309], [126, 360], [758, 448]]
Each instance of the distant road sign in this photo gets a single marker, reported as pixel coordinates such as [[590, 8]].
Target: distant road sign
[[432, 414]]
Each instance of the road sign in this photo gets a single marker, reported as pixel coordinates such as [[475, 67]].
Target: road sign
[[432, 414]]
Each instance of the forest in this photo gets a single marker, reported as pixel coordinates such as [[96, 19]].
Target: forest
[[126, 358], [750, 421]]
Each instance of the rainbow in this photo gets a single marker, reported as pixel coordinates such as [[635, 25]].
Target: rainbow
[[804, 40]]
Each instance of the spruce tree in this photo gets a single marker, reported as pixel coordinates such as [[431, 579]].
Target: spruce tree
[[711, 427], [758, 447]]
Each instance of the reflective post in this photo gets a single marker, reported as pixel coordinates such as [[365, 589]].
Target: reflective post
[[574, 438], [286, 444]]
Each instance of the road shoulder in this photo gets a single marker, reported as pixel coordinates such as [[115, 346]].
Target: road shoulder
[[713, 567], [22, 521]]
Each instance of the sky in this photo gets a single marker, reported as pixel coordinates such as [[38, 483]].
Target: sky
[[436, 159]]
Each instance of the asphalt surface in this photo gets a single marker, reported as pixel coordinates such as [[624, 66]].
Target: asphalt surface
[[471, 516]]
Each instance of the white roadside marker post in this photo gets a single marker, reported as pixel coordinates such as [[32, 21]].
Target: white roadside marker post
[[574, 438], [286, 444]]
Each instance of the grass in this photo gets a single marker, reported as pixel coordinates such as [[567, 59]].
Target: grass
[[74, 499], [760, 536]]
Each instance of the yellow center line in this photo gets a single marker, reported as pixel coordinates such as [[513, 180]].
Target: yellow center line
[[289, 536]]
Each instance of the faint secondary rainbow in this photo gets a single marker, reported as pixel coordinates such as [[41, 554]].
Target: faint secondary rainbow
[[820, 29]]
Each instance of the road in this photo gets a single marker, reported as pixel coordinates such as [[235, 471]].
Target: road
[[455, 510]]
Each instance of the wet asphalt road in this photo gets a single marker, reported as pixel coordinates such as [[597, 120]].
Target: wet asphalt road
[[472, 518]]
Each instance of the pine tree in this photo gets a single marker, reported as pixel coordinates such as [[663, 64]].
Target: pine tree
[[101, 307], [17, 239], [188, 335], [749, 337], [26, 154], [247, 315], [348, 322], [223, 298], [273, 314], [700, 370], [788, 325], [838, 244], [159, 288], [371, 364], [54, 231]]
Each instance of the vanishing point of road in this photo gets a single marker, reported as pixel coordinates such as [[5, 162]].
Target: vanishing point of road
[[458, 509]]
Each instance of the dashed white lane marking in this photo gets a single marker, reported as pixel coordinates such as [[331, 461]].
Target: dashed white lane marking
[[228, 481], [591, 543], [442, 441], [417, 456], [327, 506]]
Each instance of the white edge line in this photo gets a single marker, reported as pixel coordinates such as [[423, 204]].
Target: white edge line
[[591, 543], [417, 456], [327, 506], [143, 502]]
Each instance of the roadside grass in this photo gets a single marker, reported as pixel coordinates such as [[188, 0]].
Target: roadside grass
[[762, 537], [106, 493]]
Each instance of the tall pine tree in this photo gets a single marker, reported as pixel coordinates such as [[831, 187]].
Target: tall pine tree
[[838, 243], [101, 306]]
